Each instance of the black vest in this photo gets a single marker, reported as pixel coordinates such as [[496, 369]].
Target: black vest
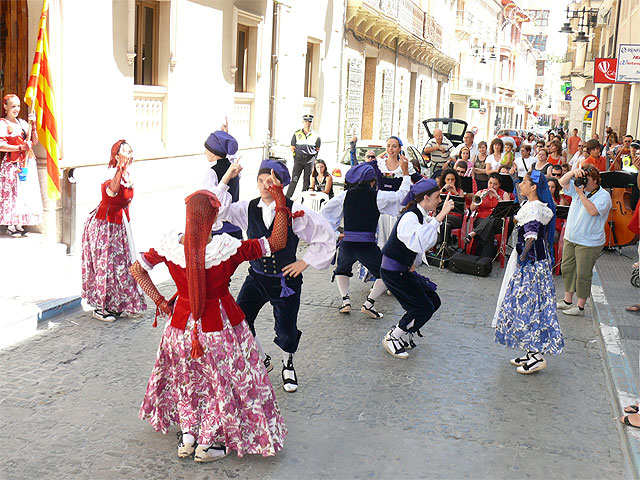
[[221, 167], [270, 265], [397, 250], [360, 208]]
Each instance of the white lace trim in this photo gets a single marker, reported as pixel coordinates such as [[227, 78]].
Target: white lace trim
[[535, 210], [221, 248], [382, 166]]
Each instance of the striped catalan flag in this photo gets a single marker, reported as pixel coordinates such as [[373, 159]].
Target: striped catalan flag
[[40, 97]]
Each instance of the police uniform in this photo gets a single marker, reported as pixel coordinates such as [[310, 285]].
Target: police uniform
[[306, 150]]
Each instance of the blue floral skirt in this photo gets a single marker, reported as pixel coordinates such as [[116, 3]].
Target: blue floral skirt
[[527, 318]]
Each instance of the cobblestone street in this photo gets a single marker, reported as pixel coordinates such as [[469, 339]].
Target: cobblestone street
[[70, 396]]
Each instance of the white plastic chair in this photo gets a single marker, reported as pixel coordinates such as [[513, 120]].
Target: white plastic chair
[[313, 200]]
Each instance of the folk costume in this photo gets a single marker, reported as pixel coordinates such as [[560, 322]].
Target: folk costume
[[223, 145], [361, 206], [390, 181], [413, 234], [208, 377], [266, 282], [108, 251], [20, 198], [526, 315]]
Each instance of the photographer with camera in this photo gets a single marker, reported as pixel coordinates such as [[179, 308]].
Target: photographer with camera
[[584, 235]]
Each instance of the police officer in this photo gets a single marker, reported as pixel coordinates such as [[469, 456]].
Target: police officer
[[305, 145]]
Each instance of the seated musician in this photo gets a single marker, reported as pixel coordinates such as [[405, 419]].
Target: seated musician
[[593, 149], [463, 171], [485, 227], [623, 155], [449, 182]]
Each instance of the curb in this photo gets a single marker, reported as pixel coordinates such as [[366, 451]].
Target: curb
[[52, 308], [623, 387]]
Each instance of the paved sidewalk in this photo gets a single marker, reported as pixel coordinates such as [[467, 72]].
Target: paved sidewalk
[[455, 409], [612, 292]]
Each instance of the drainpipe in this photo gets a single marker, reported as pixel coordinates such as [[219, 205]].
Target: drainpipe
[[393, 104], [275, 38], [615, 34], [341, 94]]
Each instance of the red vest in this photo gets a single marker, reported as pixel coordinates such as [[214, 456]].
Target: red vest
[[111, 208]]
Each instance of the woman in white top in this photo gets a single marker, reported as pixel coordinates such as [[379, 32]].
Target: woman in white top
[[493, 161]]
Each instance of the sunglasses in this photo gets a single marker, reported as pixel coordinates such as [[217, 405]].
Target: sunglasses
[[370, 156], [556, 174]]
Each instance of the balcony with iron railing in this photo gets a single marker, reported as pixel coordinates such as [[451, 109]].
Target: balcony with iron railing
[[465, 21], [404, 14]]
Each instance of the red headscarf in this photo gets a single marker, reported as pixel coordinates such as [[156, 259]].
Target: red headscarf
[[202, 210], [115, 149]]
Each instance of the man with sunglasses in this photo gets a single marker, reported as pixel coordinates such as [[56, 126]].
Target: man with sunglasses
[[370, 156], [577, 156], [556, 171]]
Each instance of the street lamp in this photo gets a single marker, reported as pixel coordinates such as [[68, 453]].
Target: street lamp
[[586, 18]]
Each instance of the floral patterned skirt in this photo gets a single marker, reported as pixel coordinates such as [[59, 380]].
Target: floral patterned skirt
[[527, 318], [225, 396], [20, 201], [106, 258]]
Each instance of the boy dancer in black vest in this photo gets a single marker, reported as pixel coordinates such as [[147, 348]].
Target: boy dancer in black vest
[[277, 279], [361, 206], [414, 233]]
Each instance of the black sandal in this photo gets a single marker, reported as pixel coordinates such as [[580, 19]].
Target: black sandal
[[627, 422], [632, 409]]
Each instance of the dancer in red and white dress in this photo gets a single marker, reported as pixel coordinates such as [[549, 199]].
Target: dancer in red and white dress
[[20, 199], [208, 377], [107, 245]]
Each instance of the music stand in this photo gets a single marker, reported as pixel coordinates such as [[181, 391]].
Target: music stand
[[458, 207], [562, 211], [458, 204], [504, 210], [466, 183], [617, 179], [506, 182]]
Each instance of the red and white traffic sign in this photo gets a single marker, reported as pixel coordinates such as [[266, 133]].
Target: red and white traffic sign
[[590, 103]]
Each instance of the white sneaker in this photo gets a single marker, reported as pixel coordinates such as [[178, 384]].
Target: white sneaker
[[394, 346], [185, 449], [103, 315], [536, 363], [563, 306], [215, 451], [574, 311]]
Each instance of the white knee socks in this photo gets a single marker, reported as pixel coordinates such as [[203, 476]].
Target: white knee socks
[[377, 289], [343, 284]]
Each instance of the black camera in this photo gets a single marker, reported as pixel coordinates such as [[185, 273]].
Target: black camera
[[580, 182]]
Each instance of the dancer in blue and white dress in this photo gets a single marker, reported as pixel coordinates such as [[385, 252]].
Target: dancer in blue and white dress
[[526, 316]]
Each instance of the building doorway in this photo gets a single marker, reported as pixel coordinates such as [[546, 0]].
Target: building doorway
[[14, 48]]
